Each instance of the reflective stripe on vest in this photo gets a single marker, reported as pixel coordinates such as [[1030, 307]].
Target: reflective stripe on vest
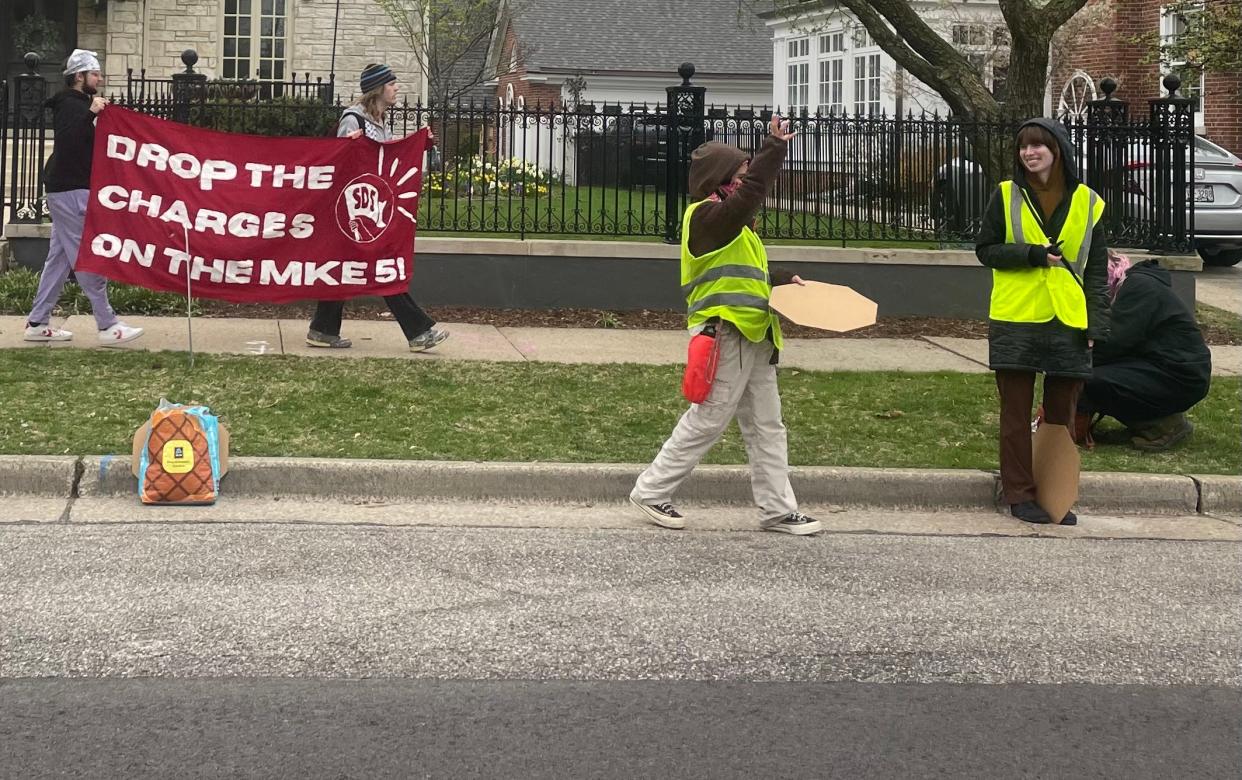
[[1042, 294], [730, 283]]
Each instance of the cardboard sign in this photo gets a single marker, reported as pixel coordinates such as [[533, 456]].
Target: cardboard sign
[[1056, 465], [823, 306]]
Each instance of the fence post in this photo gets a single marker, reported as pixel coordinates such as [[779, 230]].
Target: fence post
[[29, 134], [1106, 144], [187, 88], [684, 134], [1172, 142]]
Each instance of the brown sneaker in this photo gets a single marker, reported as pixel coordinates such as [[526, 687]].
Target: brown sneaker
[[1160, 435]]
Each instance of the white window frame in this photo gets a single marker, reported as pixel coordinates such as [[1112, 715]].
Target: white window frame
[[278, 59], [1168, 34], [832, 85], [866, 84], [798, 75], [969, 34]]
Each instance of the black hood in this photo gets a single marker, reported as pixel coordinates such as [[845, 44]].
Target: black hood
[[66, 94], [1151, 268], [1069, 159]]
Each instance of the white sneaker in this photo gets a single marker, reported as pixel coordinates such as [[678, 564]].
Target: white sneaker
[[46, 333], [118, 334]]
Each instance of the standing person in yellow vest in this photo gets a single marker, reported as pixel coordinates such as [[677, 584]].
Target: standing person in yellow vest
[[1041, 237], [724, 275]]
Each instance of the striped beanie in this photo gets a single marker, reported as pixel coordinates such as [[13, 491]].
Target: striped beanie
[[376, 76]]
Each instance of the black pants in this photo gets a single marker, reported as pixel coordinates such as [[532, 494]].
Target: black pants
[[1136, 391], [1017, 395], [413, 320]]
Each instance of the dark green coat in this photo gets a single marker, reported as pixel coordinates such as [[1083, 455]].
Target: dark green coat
[[1048, 347]]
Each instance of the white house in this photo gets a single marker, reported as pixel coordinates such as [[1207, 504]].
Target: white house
[[825, 61]]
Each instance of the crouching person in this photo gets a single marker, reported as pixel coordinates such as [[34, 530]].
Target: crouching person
[[1154, 365], [724, 274]]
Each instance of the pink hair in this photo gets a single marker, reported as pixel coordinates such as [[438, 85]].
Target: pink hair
[[1118, 264]]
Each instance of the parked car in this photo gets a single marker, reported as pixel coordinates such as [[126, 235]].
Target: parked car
[[960, 192]]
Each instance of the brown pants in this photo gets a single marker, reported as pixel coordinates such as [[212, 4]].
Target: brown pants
[[1017, 395]]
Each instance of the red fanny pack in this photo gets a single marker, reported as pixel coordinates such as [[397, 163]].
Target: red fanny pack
[[701, 362]]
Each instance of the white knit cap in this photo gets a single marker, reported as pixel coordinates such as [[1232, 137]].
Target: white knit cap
[[81, 60]]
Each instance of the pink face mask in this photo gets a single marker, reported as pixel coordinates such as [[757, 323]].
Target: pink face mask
[[728, 189]]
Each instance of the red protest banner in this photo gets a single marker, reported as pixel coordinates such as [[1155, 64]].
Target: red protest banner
[[269, 219]]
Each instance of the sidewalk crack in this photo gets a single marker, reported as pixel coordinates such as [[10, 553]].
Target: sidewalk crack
[[509, 341], [79, 470], [951, 351]]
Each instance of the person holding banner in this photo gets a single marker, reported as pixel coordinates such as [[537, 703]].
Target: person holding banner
[[379, 93], [68, 182], [724, 273], [1043, 239]]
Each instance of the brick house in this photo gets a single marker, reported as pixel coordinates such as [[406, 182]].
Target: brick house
[[257, 39], [1100, 43]]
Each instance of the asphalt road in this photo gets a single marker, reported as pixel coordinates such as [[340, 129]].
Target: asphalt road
[[257, 650]]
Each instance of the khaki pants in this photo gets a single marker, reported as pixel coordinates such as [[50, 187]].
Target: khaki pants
[[745, 386]]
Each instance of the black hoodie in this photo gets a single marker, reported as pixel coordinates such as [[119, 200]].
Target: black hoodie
[[1151, 323], [74, 142], [992, 251]]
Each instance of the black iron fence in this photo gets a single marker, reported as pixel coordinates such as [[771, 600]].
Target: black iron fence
[[620, 170]]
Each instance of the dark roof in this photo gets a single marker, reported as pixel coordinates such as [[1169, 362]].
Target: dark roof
[[648, 36]]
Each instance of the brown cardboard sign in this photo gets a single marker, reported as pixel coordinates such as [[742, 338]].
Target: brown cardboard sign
[[1056, 465], [823, 306]]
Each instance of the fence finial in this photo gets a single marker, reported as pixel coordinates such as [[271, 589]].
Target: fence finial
[[686, 71], [189, 57], [32, 63]]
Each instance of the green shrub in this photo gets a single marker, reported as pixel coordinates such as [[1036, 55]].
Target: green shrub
[[282, 116], [18, 287]]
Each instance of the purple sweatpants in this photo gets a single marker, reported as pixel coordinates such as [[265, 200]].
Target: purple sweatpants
[[68, 220]]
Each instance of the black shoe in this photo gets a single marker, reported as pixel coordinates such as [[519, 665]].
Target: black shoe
[[1030, 512], [662, 514], [1070, 518], [794, 523]]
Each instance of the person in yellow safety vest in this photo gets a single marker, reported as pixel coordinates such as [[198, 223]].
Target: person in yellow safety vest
[[1042, 237], [724, 275]]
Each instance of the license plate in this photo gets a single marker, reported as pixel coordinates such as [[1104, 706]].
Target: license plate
[[1203, 194]]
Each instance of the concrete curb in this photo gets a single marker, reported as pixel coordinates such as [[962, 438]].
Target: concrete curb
[[1219, 494], [47, 476], [398, 481]]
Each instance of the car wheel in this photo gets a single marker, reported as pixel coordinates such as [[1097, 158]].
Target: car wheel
[[1220, 257]]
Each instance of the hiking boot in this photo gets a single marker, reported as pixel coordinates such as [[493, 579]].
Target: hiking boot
[[1030, 512], [1160, 435], [46, 333], [662, 514], [118, 334], [428, 339], [793, 523], [316, 338]]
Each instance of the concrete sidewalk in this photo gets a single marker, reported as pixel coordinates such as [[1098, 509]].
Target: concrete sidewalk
[[378, 338]]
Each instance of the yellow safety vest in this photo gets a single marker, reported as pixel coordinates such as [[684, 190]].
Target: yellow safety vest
[[730, 283], [1041, 294]]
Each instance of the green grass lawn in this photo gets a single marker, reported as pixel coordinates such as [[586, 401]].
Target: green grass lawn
[[611, 213], [89, 402]]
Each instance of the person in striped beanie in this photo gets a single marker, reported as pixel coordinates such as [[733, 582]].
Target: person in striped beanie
[[368, 117]]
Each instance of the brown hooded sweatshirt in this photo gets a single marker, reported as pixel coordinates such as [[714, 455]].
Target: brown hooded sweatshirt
[[715, 223]]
